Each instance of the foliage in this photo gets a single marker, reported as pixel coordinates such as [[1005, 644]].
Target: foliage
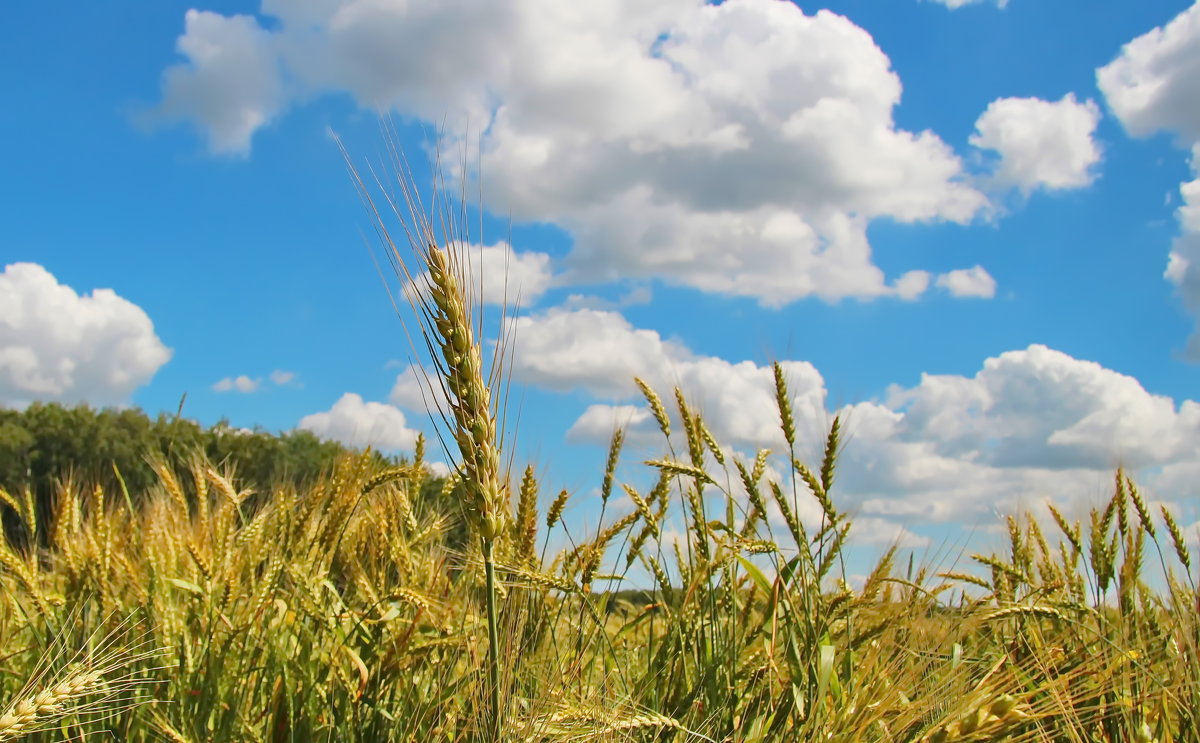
[[48, 444]]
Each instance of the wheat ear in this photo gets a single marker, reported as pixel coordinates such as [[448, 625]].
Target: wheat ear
[[87, 686]]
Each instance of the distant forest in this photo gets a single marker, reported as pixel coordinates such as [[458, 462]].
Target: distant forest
[[48, 444]]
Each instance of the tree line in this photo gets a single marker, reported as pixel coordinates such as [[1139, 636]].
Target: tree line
[[48, 444]]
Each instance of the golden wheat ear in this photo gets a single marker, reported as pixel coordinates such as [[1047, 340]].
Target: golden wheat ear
[[91, 685], [442, 294]]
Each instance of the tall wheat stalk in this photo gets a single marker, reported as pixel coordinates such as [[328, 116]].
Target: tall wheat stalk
[[442, 298]]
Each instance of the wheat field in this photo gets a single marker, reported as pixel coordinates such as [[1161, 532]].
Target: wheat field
[[363, 609]]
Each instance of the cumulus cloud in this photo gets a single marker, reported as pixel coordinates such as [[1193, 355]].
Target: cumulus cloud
[[498, 275], [740, 148], [599, 421], [247, 384], [410, 390], [1183, 262], [1041, 144], [636, 295], [956, 4], [241, 383], [58, 345], [968, 282], [601, 352], [1153, 85], [230, 86], [419, 390], [1029, 424], [281, 377], [1181, 480], [877, 531], [595, 350], [357, 423], [1042, 408]]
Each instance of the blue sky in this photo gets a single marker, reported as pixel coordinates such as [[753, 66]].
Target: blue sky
[[972, 227]]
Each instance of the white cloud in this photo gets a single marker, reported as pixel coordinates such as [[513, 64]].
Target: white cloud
[[1154, 85], [247, 384], [509, 277], [936, 476], [956, 4], [589, 349], [912, 284], [361, 424], [56, 345], [231, 84], [601, 353], [599, 421], [1183, 262], [281, 377], [498, 275], [1030, 423], [739, 148], [410, 391], [241, 383], [419, 390], [224, 428], [968, 282], [1041, 143], [1180, 480], [877, 531], [636, 295], [1042, 408]]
